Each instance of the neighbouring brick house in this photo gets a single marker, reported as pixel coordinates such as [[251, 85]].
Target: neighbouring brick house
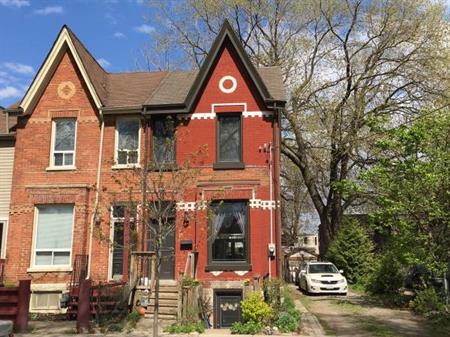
[[78, 125]]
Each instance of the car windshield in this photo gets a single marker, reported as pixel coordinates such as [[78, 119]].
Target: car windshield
[[322, 268]]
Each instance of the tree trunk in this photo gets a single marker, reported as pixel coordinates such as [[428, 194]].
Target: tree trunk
[[156, 305]]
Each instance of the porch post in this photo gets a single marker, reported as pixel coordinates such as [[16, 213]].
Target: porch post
[[23, 305], [84, 306]]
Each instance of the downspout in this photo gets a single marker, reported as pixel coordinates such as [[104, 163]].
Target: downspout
[[97, 192], [270, 209], [275, 182]]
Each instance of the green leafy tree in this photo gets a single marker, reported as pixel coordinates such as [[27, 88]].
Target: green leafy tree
[[352, 251], [411, 189]]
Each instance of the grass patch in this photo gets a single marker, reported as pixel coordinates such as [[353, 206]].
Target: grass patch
[[378, 329], [306, 301], [348, 306]]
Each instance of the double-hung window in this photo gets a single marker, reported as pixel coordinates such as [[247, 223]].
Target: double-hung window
[[53, 237], [228, 245], [229, 141], [127, 141], [63, 142], [163, 141]]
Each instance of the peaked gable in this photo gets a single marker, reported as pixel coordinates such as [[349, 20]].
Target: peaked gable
[[226, 36], [86, 64]]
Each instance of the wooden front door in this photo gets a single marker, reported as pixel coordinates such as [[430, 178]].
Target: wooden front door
[[167, 270]]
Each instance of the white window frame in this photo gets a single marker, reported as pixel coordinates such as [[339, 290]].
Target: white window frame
[[59, 267], [52, 147], [4, 238], [111, 240], [116, 144]]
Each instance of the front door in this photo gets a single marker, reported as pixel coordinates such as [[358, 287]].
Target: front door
[[167, 270]]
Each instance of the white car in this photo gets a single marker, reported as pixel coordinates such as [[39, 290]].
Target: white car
[[322, 278]]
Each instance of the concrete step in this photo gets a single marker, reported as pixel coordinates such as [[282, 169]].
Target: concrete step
[[165, 296], [173, 302], [168, 289], [164, 310], [162, 317]]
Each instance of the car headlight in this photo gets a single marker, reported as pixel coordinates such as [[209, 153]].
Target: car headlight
[[315, 281], [342, 280]]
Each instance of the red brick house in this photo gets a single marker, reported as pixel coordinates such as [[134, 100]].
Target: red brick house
[[78, 125]]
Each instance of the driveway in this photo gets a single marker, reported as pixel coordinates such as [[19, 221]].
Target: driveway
[[357, 315]]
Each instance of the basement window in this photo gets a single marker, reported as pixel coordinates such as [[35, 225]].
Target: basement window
[[227, 307]]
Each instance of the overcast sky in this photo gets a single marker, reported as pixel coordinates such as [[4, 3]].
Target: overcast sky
[[112, 30]]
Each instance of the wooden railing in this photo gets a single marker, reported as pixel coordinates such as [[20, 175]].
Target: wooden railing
[[142, 269]]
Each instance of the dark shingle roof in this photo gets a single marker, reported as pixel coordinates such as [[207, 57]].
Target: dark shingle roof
[[135, 89], [132, 89], [154, 88]]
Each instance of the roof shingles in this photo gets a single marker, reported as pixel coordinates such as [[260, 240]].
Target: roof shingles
[[137, 89]]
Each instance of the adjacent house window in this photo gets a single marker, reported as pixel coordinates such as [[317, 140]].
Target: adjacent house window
[[53, 240], [127, 141], [63, 142], [122, 221], [229, 141], [163, 141], [229, 235]]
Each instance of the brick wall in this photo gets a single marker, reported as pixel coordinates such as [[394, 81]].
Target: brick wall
[[33, 184]]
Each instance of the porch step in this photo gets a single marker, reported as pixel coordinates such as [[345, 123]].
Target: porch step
[[173, 302], [165, 296], [168, 289], [164, 310]]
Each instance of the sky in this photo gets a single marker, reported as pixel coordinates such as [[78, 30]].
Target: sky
[[112, 30]]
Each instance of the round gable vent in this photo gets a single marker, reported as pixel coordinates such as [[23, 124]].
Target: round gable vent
[[227, 84]]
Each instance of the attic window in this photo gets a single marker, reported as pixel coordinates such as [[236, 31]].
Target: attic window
[[229, 141], [63, 142]]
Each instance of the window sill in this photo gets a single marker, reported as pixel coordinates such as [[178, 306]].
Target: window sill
[[61, 168], [49, 269], [229, 267], [229, 166], [125, 166], [164, 168]]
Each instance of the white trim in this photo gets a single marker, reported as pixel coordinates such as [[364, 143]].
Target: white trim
[[214, 105], [233, 86], [49, 287], [4, 238], [213, 115], [52, 166], [64, 37], [112, 223], [49, 268], [116, 144], [125, 166]]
